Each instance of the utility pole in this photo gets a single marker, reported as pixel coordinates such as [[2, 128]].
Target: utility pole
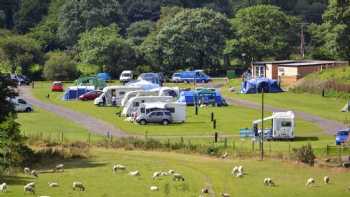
[[302, 42], [262, 126]]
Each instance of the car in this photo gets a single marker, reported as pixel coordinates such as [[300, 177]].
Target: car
[[20, 79], [90, 95], [126, 76], [342, 137], [158, 116], [57, 86], [191, 76], [151, 77], [21, 105]]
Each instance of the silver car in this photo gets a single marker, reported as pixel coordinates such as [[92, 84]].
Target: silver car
[[159, 116]]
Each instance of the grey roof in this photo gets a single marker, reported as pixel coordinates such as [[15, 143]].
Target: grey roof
[[312, 63], [275, 62]]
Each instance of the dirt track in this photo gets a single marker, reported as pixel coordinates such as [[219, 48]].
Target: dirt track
[[92, 124]]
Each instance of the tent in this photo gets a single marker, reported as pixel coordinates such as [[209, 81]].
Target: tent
[[257, 85], [202, 96], [91, 81], [143, 84], [75, 91], [103, 76]]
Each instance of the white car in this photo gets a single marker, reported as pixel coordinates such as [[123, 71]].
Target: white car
[[21, 105], [126, 76]]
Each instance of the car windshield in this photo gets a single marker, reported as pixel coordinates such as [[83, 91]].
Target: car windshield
[[126, 75]]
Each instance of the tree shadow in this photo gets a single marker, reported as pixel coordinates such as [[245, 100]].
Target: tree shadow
[[69, 164], [306, 138], [16, 180]]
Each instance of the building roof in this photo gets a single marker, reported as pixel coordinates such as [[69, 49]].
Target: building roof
[[311, 63], [275, 62]]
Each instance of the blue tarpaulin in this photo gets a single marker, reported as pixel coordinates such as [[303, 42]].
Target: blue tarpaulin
[[202, 96], [103, 76], [74, 92], [254, 86]]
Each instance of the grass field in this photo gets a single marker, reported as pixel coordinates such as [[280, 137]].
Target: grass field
[[96, 174]]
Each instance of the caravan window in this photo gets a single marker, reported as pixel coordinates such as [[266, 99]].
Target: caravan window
[[171, 110], [121, 93], [142, 110], [136, 104], [286, 124]]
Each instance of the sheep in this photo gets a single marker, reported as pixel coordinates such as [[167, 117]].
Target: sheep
[[205, 191], [134, 173], [118, 167], [34, 173], [31, 184], [171, 171], [326, 179], [234, 171], [164, 173], [225, 155], [240, 169], [59, 167], [156, 175], [53, 184], [154, 188], [3, 187], [225, 195], [78, 185], [268, 182], [310, 182], [26, 170], [29, 188], [239, 175], [178, 177]]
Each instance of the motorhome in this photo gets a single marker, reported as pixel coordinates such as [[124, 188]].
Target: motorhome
[[126, 76], [134, 103], [118, 91], [177, 110]]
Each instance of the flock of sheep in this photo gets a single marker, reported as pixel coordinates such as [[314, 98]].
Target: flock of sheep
[[237, 171]]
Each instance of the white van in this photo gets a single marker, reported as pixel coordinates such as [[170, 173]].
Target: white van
[[118, 91], [21, 105], [177, 110], [134, 103], [126, 76]]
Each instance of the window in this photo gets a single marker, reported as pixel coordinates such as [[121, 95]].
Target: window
[[281, 71], [136, 104], [171, 110], [286, 124], [260, 71], [121, 93], [167, 113], [21, 101], [142, 110], [159, 113]]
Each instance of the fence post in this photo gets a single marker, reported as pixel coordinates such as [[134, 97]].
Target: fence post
[[212, 117], [327, 150], [214, 124], [216, 135], [225, 143]]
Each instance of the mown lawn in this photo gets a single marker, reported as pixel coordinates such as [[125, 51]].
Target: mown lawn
[[96, 174]]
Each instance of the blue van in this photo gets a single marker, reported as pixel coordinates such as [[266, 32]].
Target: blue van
[[342, 137], [190, 76]]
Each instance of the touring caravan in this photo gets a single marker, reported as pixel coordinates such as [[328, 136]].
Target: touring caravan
[[118, 91], [177, 110], [134, 103]]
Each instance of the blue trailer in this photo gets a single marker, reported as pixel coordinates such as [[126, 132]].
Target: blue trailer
[[190, 76]]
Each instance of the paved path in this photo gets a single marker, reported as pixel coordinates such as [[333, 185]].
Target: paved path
[[90, 123]]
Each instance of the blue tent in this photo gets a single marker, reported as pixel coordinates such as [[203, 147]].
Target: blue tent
[[103, 76], [74, 92], [202, 96], [254, 86]]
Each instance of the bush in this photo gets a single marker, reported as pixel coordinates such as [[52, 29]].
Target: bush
[[305, 154], [60, 66]]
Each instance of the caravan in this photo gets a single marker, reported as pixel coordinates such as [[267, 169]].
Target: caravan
[[177, 110], [134, 103], [117, 91]]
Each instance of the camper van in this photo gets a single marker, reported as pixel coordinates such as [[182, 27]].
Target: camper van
[[126, 76], [177, 110], [108, 92], [134, 103]]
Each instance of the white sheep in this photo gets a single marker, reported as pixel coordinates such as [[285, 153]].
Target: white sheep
[[239, 175], [240, 169], [225, 195], [134, 173], [29, 188], [178, 177], [310, 182], [34, 173], [326, 179], [26, 170], [234, 171], [53, 184], [268, 182], [78, 185], [118, 167], [171, 171], [59, 167], [3, 187], [154, 188], [31, 184], [156, 175], [225, 155], [164, 173]]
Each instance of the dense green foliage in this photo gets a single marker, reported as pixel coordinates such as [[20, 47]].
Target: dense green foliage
[[60, 66]]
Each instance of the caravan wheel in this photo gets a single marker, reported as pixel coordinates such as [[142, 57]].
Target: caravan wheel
[[143, 122], [165, 122]]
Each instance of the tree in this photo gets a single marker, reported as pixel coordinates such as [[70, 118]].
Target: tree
[[21, 52], [138, 31], [261, 32], [331, 39], [60, 66], [78, 16], [30, 14], [9, 7], [193, 39], [7, 91]]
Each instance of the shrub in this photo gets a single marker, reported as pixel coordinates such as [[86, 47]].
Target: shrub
[[305, 154], [60, 66]]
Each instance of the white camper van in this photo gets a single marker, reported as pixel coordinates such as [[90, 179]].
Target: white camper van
[[134, 103], [118, 91], [177, 110], [126, 76]]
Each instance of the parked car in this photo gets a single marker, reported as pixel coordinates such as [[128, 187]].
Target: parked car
[[151, 77], [20, 79], [57, 86], [162, 78], [159, 116], [342, 137], [21, 105], [126, 76], [90, 95], [190, 76]]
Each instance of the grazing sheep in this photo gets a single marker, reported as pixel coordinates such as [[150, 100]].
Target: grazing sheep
[[34, 173], [164, 173], [225, 195], [3, 187], [178, 177], [225, 155], [171, 171], [31, 184], [310, 182], [268, 182], [154, 188], [205, 191], [240, 169], [134, 173], [26, 170], [118, 167], [234, 171], [29, 188], [53, 184], [156, 175], [59, 167], [239, 175], [326, 179], [78, 185]]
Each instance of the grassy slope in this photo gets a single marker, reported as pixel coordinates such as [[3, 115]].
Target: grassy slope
[[198, 171]]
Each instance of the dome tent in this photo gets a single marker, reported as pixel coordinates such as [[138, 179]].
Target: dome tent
[[257, 85]]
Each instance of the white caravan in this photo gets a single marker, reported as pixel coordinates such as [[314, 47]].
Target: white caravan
[[126, 76], [118, 91], [134, 103], [177, 110], [21, 105], [283, 125]]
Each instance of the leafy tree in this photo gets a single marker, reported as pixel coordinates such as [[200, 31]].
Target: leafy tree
[[60, 66], [21, 52], [138, 31], [78, 16], [30, 14], [103, 46], [7, 90], [9, 7], [261, 32]]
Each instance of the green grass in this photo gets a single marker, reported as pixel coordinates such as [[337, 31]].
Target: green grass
[[46, 124], [96, 174]]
